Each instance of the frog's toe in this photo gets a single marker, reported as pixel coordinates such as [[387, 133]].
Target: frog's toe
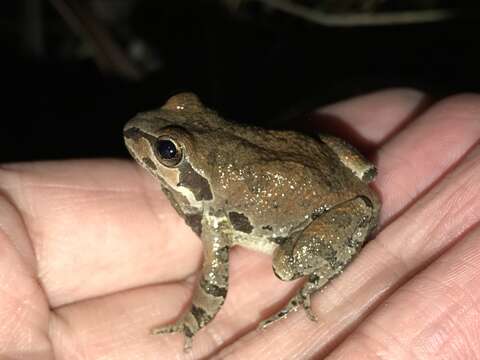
[[301, 299], [267, 322], [310, 314], [178, 327], [167, 329], [291, 306], [308, 308]]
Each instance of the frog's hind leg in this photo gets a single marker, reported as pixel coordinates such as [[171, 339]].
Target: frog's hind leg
[[350, 157], [321, 251], [209, 294]]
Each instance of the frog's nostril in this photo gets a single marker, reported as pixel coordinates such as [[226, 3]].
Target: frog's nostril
[[131, 133]]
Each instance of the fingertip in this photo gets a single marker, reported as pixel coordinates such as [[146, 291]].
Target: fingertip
[[458, 105], [372, 118]]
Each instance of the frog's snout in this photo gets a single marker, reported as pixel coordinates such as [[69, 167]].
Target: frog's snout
[[131, 132]]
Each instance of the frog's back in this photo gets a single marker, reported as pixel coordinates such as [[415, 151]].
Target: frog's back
[[326, 157], [294, 172]]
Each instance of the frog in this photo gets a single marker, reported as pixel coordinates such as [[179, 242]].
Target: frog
[[303, 199]]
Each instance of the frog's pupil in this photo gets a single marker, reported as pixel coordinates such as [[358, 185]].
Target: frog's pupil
[[166, 149]]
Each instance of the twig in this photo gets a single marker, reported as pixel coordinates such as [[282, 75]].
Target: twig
[[362, 19]]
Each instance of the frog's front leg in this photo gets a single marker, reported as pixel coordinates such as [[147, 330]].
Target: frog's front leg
[[322, 250], [211, 289]]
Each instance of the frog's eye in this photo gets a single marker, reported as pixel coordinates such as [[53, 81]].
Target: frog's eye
[[168, 152]]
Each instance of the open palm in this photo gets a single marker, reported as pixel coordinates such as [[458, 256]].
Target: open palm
[[92, 255]]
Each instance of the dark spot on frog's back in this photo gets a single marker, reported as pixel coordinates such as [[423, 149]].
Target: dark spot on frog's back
[[195, 182], [240, 222], [149, 163]]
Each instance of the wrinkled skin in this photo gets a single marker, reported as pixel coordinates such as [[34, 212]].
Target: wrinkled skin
[[81, 280]]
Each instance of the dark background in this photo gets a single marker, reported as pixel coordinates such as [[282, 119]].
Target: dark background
[[253, 66]]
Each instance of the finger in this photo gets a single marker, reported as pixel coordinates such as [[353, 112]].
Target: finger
[[99, 227], [413, 240], [117, 326], [425, 150], [371, 118], [23, 306], [435, 315]]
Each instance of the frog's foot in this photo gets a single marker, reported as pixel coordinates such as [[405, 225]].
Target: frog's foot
[[293, 305], [279, 315], [178, 327], [307, 306], [302, 298]]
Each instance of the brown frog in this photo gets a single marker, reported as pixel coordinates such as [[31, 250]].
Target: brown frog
[[301, 199]]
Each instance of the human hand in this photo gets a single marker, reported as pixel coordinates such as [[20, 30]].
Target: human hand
[[92, 255]]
